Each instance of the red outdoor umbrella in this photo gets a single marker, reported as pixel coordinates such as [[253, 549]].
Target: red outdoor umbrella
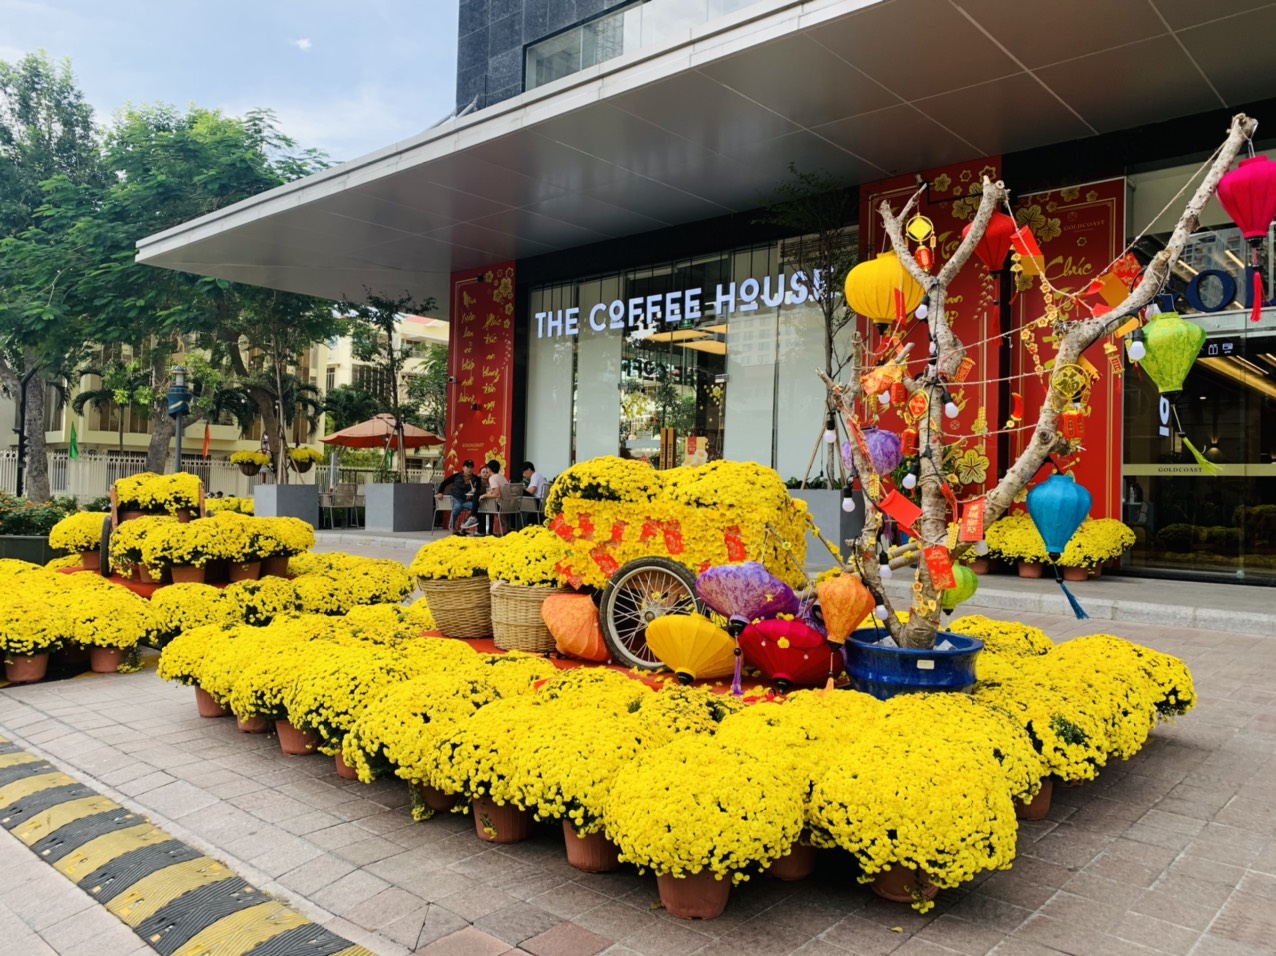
[[377, 431]]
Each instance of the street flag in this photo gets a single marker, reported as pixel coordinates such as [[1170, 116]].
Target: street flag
[[208, 436], [74, 452]]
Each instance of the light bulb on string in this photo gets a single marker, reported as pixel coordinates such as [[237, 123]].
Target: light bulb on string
[[830, 431], [880, 612], [910, 479], [884, 568], [950, 407], [933, 347], [884, 398], [923, 308], [848, 497], [981, 547], [1135, 346]]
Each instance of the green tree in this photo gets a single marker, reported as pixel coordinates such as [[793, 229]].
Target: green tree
[[427, 390], [374, 328], [347, 405], [124, 386], [46, 132]]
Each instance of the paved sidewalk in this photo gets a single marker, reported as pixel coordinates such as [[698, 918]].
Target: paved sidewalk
[[1171, 852]]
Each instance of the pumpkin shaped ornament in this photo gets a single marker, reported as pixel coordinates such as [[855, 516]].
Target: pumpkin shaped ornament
[[573, 621]]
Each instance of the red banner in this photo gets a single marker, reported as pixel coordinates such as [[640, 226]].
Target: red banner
[[481, 366], [1081, 230], [949, 201]]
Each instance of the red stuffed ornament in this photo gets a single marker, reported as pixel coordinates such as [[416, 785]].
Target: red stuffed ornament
[[1248, 193]]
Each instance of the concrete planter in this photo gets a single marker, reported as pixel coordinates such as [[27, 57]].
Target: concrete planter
[[394, 507], [835, 524], [27, 547], [288, 501]]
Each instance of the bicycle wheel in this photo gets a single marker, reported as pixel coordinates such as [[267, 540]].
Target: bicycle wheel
[[638, 593], [104, 548]]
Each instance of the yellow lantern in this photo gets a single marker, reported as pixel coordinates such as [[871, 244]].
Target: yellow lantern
[[881, 289]]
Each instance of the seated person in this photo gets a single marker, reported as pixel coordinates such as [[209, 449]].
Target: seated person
[[535, 485], [465, 489], [495, 483]]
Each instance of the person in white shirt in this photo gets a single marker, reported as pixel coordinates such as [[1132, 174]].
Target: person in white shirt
[[496, 483], [535, 484]]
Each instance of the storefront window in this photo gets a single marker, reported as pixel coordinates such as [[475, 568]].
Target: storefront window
[[715, 379]]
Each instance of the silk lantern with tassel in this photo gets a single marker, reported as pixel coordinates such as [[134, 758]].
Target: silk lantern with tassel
[[994, 245], [741, 593], [882, 291], [1172, 344], [790, 653], [967, 585], [1248, 193], [691, 646], [1057, 507]]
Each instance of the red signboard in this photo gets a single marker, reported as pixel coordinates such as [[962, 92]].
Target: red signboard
[[481, 366], [1080, 230]]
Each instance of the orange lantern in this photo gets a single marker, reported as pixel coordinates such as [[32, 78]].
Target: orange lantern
[[573, 620], [882, 291], [1072, 424], [909, 439], [845, 602]]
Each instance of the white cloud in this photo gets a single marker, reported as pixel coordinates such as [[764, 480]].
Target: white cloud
[[303, 44]]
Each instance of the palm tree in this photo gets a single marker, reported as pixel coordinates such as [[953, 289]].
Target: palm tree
[[124, 385]]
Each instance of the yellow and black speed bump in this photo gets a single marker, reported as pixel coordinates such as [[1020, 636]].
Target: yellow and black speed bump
[[179, 901]]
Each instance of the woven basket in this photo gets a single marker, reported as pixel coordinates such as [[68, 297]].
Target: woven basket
[[461, 609], [517, 624]]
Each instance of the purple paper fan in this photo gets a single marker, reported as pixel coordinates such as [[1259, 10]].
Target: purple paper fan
[[746, 591]]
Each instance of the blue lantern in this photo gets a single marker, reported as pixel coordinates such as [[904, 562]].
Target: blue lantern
[[1057, 507]]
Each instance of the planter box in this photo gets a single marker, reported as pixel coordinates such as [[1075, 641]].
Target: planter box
[[835, 524], [288, 501], [395, 507], [27, 547]]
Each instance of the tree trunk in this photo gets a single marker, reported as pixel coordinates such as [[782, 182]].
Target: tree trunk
[[162, 427], [37, 463]]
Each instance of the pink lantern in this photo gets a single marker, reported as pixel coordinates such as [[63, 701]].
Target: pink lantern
[[1248, 193]]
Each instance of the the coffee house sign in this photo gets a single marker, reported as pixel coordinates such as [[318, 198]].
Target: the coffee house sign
[[682, 305]]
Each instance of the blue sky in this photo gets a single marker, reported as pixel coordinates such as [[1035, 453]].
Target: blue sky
[[346, 76]]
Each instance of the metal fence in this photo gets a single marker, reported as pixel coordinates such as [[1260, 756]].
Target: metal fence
[[91, 475]]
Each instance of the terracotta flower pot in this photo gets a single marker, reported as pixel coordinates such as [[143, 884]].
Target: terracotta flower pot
[[208, 706], [244, 571], [1030, 569], [1076, 574], [252, 725], [1039, 806], [91, 560], [981, 565], [902, 885], [1097, 571], [26, 670], [440, 801], [294, 741], [694, 897], [127, 515], [183, 515], [275, 567], [496, 823], [188, 574], [144, 575], [798, 865], [344, 770], [590, 852], [106, 660]]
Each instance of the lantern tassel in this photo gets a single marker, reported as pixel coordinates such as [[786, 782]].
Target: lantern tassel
[[1077, 609], [1207, 466], [1256, 310], [737, 689]]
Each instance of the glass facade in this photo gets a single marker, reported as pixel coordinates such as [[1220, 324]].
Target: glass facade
[[1187, 522], [720, 378], [618, 32]]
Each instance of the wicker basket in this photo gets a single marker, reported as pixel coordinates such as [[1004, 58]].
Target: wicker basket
[[462, 608], [516, 618]]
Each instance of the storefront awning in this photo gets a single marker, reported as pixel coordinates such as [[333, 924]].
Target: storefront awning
[[709, 126]]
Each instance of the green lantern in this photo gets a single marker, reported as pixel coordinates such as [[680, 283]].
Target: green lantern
[[1172, 346], [967, 585]]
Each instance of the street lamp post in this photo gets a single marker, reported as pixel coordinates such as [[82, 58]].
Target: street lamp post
[[179, 405]]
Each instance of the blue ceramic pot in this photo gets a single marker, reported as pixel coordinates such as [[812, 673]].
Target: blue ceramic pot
[[887, 671]]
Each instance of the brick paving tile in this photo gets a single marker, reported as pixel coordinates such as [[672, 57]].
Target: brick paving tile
[[566, 940], [466, 942]]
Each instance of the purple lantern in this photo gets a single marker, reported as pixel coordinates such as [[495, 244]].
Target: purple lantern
[[885, 449], [745, 591]]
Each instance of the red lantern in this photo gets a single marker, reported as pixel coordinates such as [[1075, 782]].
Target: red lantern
[[1072, 424], [1248, 193], [909, 441], [995, 244], [791, 653]]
